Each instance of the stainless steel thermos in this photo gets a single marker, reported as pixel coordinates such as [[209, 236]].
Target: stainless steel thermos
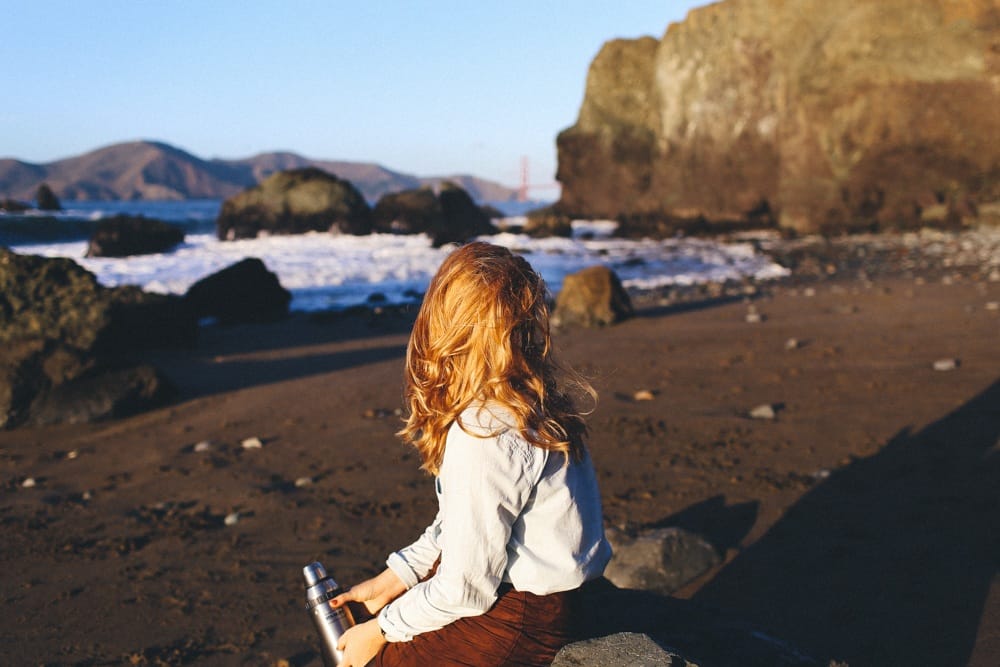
[[331, 622]]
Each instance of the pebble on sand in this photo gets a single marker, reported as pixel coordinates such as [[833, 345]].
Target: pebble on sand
[[993, 305], [28, 483], [303, 481], [946, 364], [232, 519], [763, 411], [203, 446], [792, 344], [643, 395], [252, 443]]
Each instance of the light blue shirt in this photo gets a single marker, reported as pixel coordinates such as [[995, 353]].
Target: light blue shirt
[[508, 511]]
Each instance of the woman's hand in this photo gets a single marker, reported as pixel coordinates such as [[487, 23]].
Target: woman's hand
[[373, 593], [361, 643]]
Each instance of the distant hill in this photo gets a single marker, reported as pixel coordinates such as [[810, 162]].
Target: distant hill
[[155, 170]]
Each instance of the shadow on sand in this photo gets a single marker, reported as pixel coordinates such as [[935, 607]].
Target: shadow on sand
[[889, 561]]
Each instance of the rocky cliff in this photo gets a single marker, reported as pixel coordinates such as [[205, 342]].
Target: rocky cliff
[[815, 114]]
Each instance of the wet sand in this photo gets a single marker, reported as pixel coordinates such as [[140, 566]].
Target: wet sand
[[862, 523]]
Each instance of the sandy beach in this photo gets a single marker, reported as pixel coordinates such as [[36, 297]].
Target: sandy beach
[[861, 523]]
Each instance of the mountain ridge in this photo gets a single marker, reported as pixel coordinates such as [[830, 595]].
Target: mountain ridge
[[156, 170]]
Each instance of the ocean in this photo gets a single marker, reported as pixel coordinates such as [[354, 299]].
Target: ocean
[[333, 272]]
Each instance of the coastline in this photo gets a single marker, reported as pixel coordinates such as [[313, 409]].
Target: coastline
[[120, 551]]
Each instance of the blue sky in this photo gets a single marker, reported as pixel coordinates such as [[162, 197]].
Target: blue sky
[[429, 88]]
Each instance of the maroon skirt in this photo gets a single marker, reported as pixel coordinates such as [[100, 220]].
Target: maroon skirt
[[519, 629]]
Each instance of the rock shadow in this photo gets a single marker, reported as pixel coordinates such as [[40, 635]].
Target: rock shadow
[[199, 377], [686, 306], [889, 560], [724, 527]]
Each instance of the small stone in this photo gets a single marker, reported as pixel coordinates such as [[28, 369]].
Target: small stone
[[809, 291], [753, 317], [764, 411], [792, 344], [822, 473], [204, 446], [995, 276], [303, 481], [993, 305], [643, 395], [72, 454], [87, 495], [28, 483], [232, 519], [252, 443], [946, 364]]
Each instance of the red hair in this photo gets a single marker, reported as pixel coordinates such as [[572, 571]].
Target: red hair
[[482, 335]]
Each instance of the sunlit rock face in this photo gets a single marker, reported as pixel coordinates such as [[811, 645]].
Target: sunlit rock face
[[818, 115]]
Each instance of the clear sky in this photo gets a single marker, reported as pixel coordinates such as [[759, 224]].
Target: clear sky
[[429, 88]]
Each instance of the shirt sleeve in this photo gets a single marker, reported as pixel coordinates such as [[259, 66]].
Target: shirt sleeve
[[413, 563], [486, 483]]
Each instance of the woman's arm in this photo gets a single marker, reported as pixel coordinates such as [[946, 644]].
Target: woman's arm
[[486, 482]]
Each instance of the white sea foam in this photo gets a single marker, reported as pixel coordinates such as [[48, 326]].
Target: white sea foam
[[325, 271]]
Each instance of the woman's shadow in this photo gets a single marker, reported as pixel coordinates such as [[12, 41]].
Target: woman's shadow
[[889, 560]]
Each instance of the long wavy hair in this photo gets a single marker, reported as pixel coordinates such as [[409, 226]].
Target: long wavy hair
[[482, 335]]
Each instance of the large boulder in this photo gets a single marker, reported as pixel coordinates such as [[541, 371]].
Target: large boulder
[[451, 216], [463, 218], [60, 328], [125, 235], [591, 297], [242, 292], [818, 115], [295, 202], [408, 212]]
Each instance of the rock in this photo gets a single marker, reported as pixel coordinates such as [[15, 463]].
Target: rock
[[408, 212], [60, 331], [546, 222], [660, 560], [663, 628], [764, 411], [242, 292], [792, 344], [104, 394], [818, 115], [643, 395], [123, 235], [463, 218], [203, 446], [46, 200], [29, 483], [232, 519], [57, 299], [946, 364], [13, 206], [592, 297], [252, 443], [295, 202], [622, 648], [450, 216]]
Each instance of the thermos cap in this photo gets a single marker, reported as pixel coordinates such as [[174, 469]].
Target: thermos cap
[[314, 573]]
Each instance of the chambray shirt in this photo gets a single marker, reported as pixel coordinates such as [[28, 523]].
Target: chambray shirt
[[507, 512]]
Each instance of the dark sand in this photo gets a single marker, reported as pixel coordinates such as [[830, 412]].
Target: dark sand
[[861, 524]]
